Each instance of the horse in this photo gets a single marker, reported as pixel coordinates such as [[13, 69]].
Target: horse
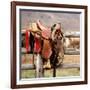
[[57, 45], [72, 42], [53, 47]]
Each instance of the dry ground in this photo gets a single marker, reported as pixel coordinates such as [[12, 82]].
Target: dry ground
[[67, 58], [71, 59]]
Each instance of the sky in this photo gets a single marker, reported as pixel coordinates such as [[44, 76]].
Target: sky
[[69, 21]]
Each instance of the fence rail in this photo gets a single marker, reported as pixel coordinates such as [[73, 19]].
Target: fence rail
[[63, 66], [72, 34], [68, 51], [72, 51]]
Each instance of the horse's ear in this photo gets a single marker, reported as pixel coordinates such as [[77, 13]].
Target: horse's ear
[[62, 34], [53, 27]]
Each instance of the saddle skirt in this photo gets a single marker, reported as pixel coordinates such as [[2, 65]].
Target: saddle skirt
[[46, 50]]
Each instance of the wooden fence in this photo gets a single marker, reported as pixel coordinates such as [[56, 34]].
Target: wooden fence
[[63, 66]]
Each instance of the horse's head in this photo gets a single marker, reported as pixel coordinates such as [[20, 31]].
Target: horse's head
[[56, 34]]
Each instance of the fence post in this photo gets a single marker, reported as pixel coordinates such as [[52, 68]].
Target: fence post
[[39, 66]]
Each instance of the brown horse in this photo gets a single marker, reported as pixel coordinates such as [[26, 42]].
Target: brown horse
[[72, 42], [53, 48], [57, 45]]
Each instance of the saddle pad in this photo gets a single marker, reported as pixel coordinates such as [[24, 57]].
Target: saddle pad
[[37, 45], [27, 41]]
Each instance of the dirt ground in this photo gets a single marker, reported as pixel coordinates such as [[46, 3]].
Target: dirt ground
[[71, 59]]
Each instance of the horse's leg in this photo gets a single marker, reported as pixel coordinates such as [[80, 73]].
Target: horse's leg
[[54, 65]]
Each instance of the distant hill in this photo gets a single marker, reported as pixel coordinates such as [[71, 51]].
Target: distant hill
[[69, 21]]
